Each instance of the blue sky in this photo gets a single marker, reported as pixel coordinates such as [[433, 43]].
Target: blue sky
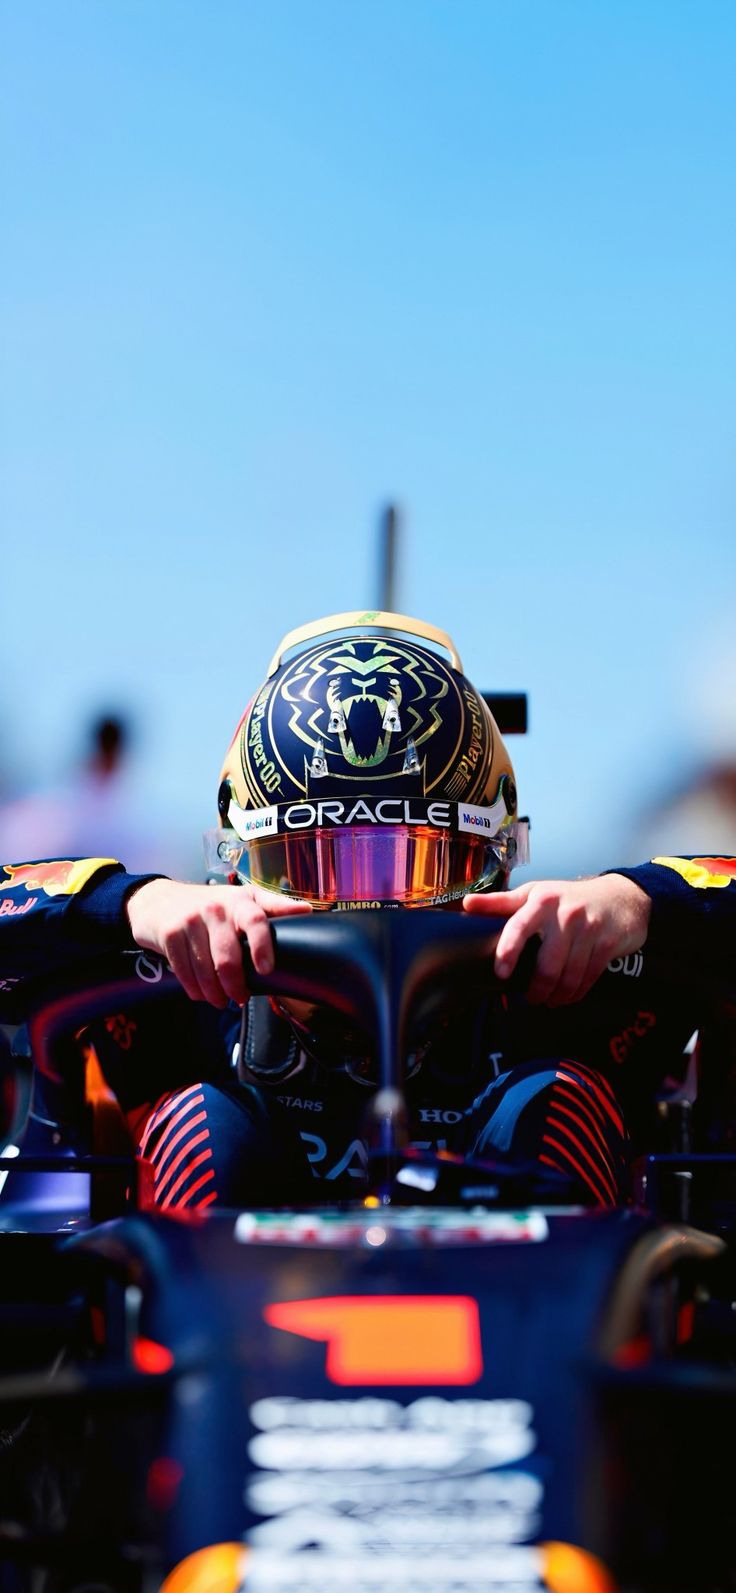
[[266, 265]]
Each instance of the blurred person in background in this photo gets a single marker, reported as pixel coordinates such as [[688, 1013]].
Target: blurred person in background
[[99, 810], [699, 810], [693, 803]]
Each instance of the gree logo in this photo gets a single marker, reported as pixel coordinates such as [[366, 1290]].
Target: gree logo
[[409, 1339]]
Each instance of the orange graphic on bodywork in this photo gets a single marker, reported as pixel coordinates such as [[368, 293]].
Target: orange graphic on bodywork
[[61, 878], [219, 1569], [405, 1339], [569, 1570]]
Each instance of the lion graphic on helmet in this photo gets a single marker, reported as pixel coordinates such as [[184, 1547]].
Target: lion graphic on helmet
[[365, 695]]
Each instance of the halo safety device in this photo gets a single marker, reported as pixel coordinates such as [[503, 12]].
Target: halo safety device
[[367, 772]]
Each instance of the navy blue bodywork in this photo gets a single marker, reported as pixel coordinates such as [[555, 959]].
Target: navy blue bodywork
[[153, 1402]]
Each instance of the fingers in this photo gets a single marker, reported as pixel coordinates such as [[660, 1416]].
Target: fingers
[[253, 910], [251, 920], [514, 936], [202, 943], [560, 918], [276, 905], [560, 972], [227, 957], [497, 904], [558, 914], [581, 924], [522, 922], [199, 929], [192, 961]]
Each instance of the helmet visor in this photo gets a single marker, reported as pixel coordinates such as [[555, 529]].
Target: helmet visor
[[416, 866]]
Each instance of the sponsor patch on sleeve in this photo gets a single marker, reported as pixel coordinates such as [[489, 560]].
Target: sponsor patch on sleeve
[[702, 872], [54, 879]]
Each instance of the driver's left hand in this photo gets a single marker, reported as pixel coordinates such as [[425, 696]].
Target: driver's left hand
[[581, 923]]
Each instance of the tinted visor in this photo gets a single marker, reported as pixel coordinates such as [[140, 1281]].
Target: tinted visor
[[398, 863]]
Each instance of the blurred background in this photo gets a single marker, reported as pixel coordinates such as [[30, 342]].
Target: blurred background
[[268, 265]]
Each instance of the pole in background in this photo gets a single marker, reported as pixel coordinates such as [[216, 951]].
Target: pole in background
[[509, 708], [388, 549]]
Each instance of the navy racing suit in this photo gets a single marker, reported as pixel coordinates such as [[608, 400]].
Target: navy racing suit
[[273, 1114]]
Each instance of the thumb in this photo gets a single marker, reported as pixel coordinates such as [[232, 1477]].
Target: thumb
[[498, 904]]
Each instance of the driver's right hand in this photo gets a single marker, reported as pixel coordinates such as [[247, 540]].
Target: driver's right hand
[[198, 929]]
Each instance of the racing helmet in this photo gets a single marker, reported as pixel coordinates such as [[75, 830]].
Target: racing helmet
[[367, 771]]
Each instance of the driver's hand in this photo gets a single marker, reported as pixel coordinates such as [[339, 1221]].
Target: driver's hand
[[582, 925], [198, 928]]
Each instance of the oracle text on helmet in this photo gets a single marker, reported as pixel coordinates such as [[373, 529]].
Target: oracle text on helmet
[[387, 810]]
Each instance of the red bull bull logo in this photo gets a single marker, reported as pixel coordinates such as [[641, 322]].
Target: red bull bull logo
[[702, 872], [63, 877]]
